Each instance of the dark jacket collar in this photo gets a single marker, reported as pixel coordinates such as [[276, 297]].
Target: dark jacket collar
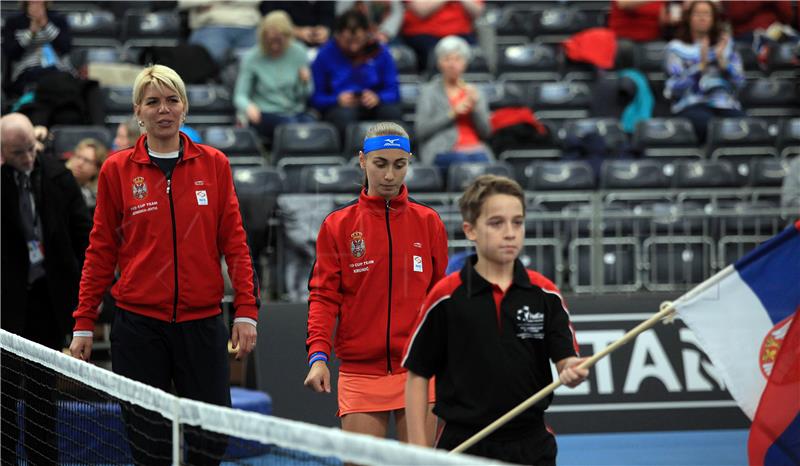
[[140, 155], [377, 204], [476, 284]]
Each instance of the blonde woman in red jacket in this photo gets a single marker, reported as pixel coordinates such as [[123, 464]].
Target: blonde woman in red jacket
[[166, 213], [377, 257]]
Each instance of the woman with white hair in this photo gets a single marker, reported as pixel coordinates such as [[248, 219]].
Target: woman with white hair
[[274, 80], [452, 116]]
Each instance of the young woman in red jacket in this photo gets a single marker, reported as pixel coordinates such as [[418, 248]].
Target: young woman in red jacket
[[166, 213], [377, 257]]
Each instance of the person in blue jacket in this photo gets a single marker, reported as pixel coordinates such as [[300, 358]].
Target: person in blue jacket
[[355, 78]]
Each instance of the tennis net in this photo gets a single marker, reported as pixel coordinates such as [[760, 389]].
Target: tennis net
[[57, 409]]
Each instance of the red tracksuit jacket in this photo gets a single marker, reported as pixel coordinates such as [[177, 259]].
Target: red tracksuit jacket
[[376, 261], [167, 238]]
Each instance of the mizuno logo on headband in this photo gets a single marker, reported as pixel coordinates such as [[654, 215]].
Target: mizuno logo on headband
[[386, 142]]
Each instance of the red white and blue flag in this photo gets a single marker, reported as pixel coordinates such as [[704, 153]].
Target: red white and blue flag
[[745, 321]]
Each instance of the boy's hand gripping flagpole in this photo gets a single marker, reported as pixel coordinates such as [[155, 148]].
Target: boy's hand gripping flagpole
[[667, 309]]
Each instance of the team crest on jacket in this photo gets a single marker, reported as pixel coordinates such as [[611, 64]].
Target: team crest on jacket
[[139, 188], [357, 246]]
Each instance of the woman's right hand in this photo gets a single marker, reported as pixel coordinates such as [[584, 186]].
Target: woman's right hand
[[253, 114], [319, 377], [81, 348]]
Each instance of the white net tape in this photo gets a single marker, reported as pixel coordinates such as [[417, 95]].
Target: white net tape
[[308, 438]]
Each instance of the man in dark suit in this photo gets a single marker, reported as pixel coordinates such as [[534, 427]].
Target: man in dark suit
[[44, 234]]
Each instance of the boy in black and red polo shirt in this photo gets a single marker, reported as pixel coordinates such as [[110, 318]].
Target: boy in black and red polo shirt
[[487, 333]]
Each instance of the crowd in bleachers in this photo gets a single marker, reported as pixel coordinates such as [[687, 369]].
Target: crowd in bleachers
[[563, 95]]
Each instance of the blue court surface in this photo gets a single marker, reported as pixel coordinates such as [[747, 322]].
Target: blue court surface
[[684, 448]]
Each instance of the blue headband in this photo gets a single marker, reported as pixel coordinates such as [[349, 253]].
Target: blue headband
[[386, 142]]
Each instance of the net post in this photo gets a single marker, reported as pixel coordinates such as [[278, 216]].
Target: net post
[[176, 432]]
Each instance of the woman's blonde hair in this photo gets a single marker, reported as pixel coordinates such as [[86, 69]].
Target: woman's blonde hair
[[159, 76], [385, 128], [277, 20]]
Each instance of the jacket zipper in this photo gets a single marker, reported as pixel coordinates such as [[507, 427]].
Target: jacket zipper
[[389, 303], [174, 248]]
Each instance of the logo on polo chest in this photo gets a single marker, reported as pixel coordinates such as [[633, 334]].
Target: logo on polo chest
[[139, 188], [529, 324], [357, 246]]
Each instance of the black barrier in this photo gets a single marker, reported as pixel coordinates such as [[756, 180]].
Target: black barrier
[[661, 381]]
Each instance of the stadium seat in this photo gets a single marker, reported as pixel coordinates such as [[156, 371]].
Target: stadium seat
[[293, 167], [789, 138], [543, 258], [515, 24], [706, 174], [752, 69], [65, 138], [677, 262], [783, 59], [557, 23], [210, 104], [331, 179], [771, 98], [634, 174], [520, 159], [299, 139], [768, 172], [740, 137], [118, 102], [559, 176], [405, 59], [527, 62], [666, 137], [423, 179], [93, 28], [258, 189], [409, 94], [608, 128], [241, 145], [144, 29], [620, 265], [561, 100], [460, 175], [81, 56], [649, 58]]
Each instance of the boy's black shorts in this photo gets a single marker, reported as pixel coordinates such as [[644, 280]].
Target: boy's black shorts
[[534, 445]]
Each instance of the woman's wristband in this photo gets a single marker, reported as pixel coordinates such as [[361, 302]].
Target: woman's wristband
[[318, 356]]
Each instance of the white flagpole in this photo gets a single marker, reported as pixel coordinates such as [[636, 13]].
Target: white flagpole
[[667, 309]]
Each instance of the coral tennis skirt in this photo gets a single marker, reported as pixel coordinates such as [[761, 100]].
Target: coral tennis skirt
[[361, 393]]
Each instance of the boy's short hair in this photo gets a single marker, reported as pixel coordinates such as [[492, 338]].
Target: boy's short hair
[[481, 188]]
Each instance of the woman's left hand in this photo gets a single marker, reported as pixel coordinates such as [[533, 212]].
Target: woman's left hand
[[243, 338]]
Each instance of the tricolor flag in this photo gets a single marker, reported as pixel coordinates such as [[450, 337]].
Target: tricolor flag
[[744, 319]]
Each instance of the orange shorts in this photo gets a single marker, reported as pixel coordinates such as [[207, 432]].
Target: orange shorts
[[361, 393]]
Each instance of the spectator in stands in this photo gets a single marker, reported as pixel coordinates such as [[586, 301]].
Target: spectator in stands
[[274, 80], [35, 43], [452, 116], [641, 20], [85, 163], [354, 76], [427, 21], [790, 192], [374, 299], [221, 27], [45, 230], [312, 20], [748, 17], [385, 16], [127, 134], [704, 71], [166, 213]]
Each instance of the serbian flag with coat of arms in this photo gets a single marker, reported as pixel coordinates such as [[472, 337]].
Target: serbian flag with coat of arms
[[746, 320]]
